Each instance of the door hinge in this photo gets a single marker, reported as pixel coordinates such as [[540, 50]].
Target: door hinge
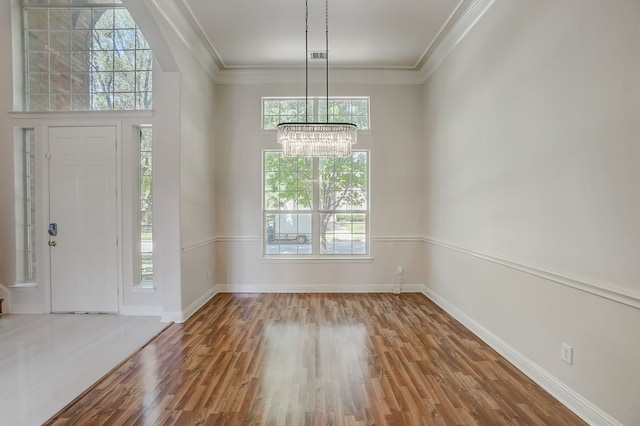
[[48, 156]]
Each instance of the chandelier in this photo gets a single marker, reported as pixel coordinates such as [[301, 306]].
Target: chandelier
[[316, 139]]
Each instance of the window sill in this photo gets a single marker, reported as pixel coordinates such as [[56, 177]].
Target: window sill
[[144, 288], [305, 259], [24, 286]]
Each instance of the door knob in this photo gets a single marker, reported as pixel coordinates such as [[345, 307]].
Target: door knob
[[52, 243]]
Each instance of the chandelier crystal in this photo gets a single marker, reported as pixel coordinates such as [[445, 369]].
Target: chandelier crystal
[[316, 139]]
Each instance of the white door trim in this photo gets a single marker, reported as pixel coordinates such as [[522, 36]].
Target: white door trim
[[42, 182]]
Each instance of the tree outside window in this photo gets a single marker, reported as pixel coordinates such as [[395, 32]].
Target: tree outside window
[[85, 58], [323, 199]]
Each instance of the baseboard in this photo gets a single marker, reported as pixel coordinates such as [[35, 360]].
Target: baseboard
[[141, 311], [6, 295], [37, 309], [563, 393], [321, 288], [182, 316]]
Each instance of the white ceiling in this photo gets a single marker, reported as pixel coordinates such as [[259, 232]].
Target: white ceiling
[[369, 34]]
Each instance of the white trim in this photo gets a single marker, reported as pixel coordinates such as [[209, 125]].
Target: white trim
[[182, 316], [24, 286], [237, 239], [449, 22], [75, 115], [180, 17], [398, 239], [199, 244], [567, 396], [6, 295], [143, 289], [308, 258], [316, 288], [607, 291], [451, 38], [374, 239], [188, 30], [338, 75], [29, 309]]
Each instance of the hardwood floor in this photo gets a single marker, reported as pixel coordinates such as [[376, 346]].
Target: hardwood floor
[[330, 359]]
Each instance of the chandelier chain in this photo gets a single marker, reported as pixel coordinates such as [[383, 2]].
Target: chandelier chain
[[306, 60], [326, 50]]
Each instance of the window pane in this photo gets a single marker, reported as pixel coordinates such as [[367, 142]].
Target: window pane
[[351, 110], [343, 182], [289, 207], [100, 41], [25, 215], [286, 110], [343, 234], [146, 204], [288, 233], [287, 182]]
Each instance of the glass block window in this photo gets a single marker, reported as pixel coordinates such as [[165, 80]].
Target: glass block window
[[85, 57]]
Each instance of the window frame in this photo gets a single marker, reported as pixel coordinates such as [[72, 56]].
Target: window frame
[[139, 282], [68, 85], [25, 147], [316, 212], [314, 113]]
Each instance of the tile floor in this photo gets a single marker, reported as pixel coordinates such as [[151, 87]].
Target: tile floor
[[48, 360]]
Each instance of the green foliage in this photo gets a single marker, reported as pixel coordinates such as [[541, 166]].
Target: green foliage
[[342, 186], [288, 182], [146, 173], [120, 64]]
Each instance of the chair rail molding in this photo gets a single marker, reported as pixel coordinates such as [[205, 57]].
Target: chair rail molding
[[608, 291]]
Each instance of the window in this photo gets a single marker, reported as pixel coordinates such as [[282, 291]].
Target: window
[[291, 110], [316, 206], [25, 207], [146, 205], [84, 57]]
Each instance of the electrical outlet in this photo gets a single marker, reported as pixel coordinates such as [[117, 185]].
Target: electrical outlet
[[566, 353], [400, 269]]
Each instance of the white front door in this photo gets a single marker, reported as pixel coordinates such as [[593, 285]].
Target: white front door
[[82, 205]]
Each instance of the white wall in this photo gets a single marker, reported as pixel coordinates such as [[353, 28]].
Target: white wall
[[532, 191], [197, 206], [183, 173], [397, 215]]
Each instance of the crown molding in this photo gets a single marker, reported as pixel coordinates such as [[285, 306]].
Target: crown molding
[[337, 76], [447, 40], [180, 18], [190, 33]]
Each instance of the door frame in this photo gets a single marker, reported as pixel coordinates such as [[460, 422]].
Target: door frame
[[43, 171]]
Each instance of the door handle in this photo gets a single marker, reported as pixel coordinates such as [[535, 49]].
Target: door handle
[[52, 243]]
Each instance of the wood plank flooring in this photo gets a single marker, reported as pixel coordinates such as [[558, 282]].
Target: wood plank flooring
[[317, 359]]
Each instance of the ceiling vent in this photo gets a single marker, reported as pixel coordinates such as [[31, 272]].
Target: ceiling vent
[[317, 55]]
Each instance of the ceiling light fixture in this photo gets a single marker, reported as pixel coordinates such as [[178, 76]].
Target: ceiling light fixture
[[309, 139]]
